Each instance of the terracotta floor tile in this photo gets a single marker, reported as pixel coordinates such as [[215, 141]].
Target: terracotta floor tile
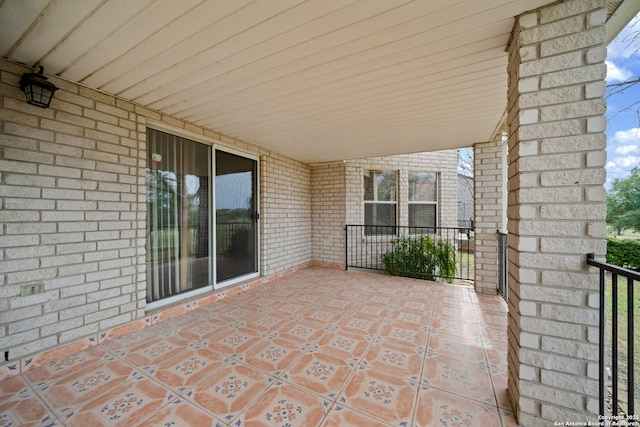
[[492, 318], [134, 339], [69, 392], [423, 308], [266, 322], [382, 300], [342, 304], [462, 348], [500, 389], [125, 405], [456, 312], [156, 351], [345, 345], [323, 315], [453, 327], [230, 390], [202, 328], [508, 418], [462, 378], [453, 300], [469, 320], [350, 294], [487, 302], [419, 320], [495, 334], [402, 361], [285, 405], [372, 310], [271, 302], [180, 412], [380, 395], [68, 365], [404, 333], [232, 341], [186, 368], [303, 332], [359, 324], [238, 312], [315, 347], [497, 358], [177, 323], [341, 416], [26, 410], [424, 296], [13, 387], [439, 408], [272, 356], [292, 308], [320, 373]]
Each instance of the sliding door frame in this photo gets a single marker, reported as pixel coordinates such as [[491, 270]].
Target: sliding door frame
[[215, 145], [233, 280]]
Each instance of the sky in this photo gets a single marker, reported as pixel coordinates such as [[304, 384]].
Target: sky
[[623, 117]]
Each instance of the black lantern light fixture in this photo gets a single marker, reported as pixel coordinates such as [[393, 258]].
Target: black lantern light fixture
[[37, 89]]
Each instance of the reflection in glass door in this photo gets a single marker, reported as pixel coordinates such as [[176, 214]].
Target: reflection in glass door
[[178, 175], [236, 232]]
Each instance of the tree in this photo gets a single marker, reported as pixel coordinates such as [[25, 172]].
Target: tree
[[623, 202]]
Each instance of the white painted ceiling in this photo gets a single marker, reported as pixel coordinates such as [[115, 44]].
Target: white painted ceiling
[[316, 80]]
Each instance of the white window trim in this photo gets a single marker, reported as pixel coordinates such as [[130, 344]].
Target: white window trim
[[425, 202], [381, 202]]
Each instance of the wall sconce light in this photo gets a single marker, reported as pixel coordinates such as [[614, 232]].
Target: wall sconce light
[[37, 89]]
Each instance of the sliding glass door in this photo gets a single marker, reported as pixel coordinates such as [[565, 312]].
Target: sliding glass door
[[184, 252], [236, 216], [178, 215]]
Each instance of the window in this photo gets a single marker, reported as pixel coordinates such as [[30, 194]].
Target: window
[[423, 199], [380, 199]]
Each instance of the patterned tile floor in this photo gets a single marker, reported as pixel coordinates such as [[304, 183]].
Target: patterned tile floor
[[319, 347]]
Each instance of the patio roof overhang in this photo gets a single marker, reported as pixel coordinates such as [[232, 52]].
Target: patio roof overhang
[[315, 80]]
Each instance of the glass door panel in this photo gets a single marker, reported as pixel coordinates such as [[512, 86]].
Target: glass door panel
[[178, 177], [236, 216]]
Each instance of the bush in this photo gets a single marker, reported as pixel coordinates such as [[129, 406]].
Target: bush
[[421, 257], [623, 252]]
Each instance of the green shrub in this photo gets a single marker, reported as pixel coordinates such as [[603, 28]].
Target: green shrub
[[421, 257], [623, 252]]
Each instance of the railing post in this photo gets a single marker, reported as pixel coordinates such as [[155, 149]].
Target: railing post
[[346, 247], [630, 349]]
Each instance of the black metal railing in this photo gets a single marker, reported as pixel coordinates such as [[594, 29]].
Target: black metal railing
[[615, 314], [465, 223], [503, 261], [228, 233], [367, 245]]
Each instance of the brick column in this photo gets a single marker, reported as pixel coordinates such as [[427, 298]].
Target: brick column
[[488, 166], [556, 209]]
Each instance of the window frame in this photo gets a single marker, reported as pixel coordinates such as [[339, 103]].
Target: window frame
[[434, 203], [368, 229]]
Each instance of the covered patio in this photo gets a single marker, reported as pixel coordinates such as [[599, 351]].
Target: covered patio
[[296, 90], [319, 346]]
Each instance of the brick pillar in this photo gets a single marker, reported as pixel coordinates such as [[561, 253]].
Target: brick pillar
[[488, 166], [556, 209]]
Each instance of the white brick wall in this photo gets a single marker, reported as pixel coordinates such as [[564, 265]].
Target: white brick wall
[[328, 194], [72, 212], [285, 213], [556, 209], [488, 211], [60, 168]]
